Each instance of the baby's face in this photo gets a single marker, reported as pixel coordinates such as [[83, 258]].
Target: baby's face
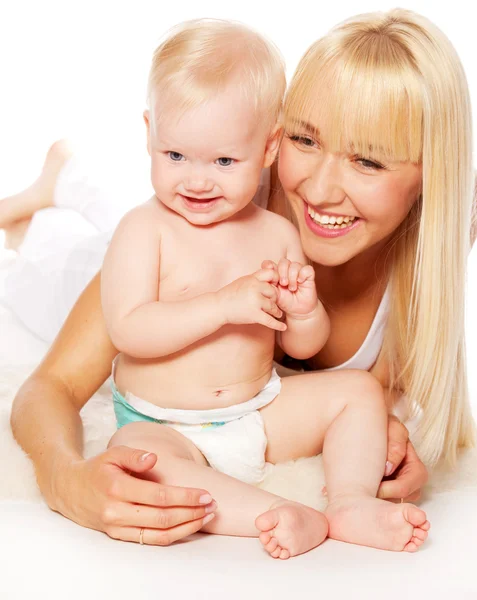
[[206, 165]]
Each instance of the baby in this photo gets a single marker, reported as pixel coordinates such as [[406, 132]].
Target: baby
[[197, 286]]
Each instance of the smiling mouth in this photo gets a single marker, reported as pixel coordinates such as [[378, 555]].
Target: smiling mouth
[[194, 199], [330, 221]]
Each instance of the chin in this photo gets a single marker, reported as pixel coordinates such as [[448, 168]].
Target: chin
[[323, 253]]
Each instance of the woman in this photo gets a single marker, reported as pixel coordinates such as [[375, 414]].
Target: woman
[[368, 117]]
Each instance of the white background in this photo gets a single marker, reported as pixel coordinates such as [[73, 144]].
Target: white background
[[79, 69]]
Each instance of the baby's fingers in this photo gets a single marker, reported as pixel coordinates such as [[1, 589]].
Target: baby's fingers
[[283, 267], [267, 275], [268, 264], [307, 273], [263, 318], [293, 272]]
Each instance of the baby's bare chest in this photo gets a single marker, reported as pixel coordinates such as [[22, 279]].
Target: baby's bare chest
[[194, 266]]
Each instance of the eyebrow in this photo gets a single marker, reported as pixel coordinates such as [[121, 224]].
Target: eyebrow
[[307, 126]]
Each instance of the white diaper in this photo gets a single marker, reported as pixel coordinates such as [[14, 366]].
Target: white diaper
[[232, 439]]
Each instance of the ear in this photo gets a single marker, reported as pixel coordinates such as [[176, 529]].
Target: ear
[[148, 129], [273, 143]]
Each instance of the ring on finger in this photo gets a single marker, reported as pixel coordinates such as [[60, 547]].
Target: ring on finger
[[141, 536]]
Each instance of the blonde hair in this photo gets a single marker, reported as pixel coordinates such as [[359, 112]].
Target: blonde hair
[[201, 57], [391, 86]]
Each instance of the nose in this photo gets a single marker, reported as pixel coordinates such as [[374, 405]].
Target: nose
[[325, 186], [197, 181]]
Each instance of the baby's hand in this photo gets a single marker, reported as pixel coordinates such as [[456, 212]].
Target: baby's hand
[[296, 287], [252, 299]]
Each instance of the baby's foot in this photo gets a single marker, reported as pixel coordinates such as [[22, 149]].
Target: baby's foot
[[289, 529], [40, 194], [377, 523]]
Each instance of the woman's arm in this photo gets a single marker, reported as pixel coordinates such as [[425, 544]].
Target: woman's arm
[[98, 493]]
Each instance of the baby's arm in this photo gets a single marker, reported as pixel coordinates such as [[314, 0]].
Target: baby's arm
[[308, 325], [138, 324]]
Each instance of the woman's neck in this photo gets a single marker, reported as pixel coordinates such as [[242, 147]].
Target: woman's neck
[[358, 278]]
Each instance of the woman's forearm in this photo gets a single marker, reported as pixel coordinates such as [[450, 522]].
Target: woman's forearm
[[47, 425]]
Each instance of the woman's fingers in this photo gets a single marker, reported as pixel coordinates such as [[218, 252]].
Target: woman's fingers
[[158, 537], [140, 491], [133, 515], [409, 478], [398, 436]]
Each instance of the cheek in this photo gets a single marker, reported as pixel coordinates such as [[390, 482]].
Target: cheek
[[381, 202]]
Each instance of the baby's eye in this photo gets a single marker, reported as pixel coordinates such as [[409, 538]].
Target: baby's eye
[[223, 161], [175, 156]]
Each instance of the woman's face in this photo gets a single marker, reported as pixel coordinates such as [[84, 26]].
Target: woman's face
[[364, 199]]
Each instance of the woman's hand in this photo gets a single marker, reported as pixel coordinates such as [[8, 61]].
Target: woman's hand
[[408, 473], [107, 493]]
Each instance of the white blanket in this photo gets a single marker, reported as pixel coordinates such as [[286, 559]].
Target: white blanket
[[47, 556]]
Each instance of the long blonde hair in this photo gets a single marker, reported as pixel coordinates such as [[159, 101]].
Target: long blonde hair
[[391, 86]]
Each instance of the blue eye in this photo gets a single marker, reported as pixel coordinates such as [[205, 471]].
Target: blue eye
[[175, 156], [223, 161]]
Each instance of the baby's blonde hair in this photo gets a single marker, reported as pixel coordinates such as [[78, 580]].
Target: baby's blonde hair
[[202, 57], [391, 87]]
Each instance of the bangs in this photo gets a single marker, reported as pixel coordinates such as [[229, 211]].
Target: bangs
[[365, 100]]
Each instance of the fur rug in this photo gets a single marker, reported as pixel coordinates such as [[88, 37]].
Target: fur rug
[[300, 480]]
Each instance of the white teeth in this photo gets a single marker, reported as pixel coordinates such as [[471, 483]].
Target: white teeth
[[330, 222]]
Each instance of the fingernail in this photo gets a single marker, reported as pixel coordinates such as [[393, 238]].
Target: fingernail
[[389, 468], [205, 499], [207, 519], [144, 456], [211, 507]]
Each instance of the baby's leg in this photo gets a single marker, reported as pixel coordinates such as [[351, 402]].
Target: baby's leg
[[344, 416], [180, 463]]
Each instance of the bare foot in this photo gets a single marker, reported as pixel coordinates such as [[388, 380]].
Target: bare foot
[[289, 529], [39, 195], [377, 523]]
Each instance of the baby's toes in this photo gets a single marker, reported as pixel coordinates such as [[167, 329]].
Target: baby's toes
[[284, 554], [426, 526], [276, 553], [265, 537], [419, 534], [267, 521], [417, 541], [410, 547], [272, 545]]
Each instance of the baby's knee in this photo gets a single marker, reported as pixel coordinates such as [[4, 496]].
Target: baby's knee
[[365, 387], [160, 439]]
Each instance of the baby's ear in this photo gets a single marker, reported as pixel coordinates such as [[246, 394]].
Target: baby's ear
[[145, 115], [273, 143]]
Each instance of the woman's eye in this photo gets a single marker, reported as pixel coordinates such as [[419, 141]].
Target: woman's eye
[[223, 161], [175, 156], [303, 140], [369, 164]]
